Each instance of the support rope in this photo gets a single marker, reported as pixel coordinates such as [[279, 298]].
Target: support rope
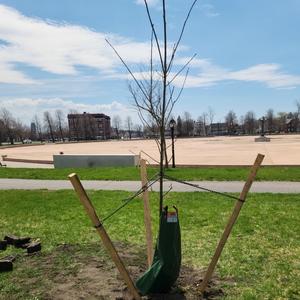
[[149, 156], [201, 188], [154, 179]]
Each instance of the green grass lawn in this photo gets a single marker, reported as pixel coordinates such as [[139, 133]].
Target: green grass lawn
[[261, 258], [132, 173]]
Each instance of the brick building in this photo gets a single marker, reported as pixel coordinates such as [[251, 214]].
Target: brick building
[[88, 126]]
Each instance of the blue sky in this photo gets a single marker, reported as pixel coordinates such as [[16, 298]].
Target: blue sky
[[53, 55]]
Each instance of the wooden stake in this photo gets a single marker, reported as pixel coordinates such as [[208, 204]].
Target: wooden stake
[[84, 199], [231, 222], [147, 215]]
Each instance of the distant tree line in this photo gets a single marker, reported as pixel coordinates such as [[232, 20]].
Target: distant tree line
[[50, 128], [125, 128], [54, 127], [205, 124], [248, 124]]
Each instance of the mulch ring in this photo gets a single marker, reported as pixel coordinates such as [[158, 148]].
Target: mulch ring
[[86, 272]]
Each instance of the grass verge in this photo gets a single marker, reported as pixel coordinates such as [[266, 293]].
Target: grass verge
[[132, 173], [261, 257]]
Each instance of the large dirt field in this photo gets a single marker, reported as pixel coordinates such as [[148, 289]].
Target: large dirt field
[[239, 150]]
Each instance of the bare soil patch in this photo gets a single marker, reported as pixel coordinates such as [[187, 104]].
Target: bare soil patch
[[86, 272]]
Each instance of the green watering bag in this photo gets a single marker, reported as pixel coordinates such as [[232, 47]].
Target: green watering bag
[[165, 268]]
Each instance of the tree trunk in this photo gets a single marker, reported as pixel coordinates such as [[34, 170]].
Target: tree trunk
[[166, 157], [163, 115]]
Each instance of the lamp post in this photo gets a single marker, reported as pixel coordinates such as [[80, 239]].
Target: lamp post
[[172, 127]]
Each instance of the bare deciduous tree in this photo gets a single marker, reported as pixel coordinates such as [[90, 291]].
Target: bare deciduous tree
[[117, 123], [270, 120], [204, 122], [2, 132], [298, 115], [156, 93], [281, 117], [211, 116], [231, 121], [21, 131], [139, 130], [59, 118], [49, 125], [201, 125], [129, 124], [8, 124], [38, 128], [179, 126], [187, 124], [249, 122]]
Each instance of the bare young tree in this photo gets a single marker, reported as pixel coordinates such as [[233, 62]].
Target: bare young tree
[[139, 130], [129, 124], [270, 120], [249, 122], [281, 118], [8, 124], [298, 107], [2, 132], [179, 126], [211, 116], [297, 117], [204, 122], [38, 127], [201, 125], [231, 121], [21, 131], [187, 124], [59, 118], [49, 124], [117, 123], [157, 93]]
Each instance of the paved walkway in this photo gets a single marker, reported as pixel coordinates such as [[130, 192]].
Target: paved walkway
[[221, 186]]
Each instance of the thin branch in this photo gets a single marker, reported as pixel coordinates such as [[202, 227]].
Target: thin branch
[[182, 69], [172, 90], [128, 69], [179, 94], [181, 34], [139, 106], [154, 32]]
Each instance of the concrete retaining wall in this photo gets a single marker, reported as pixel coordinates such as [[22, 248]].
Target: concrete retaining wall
[[90, 161]]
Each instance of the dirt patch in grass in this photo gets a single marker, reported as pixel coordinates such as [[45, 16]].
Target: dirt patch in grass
[[86, 272]]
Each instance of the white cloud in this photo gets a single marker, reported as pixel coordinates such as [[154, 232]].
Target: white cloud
[[209, 10], [58, 48], [26, 108], [270, 74], [150, 2], [9, 75], [210, 74]]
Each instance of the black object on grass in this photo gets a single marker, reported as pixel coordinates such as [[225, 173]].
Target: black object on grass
[[3, 245], [16, 240], [6, 263], [34, 247]]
